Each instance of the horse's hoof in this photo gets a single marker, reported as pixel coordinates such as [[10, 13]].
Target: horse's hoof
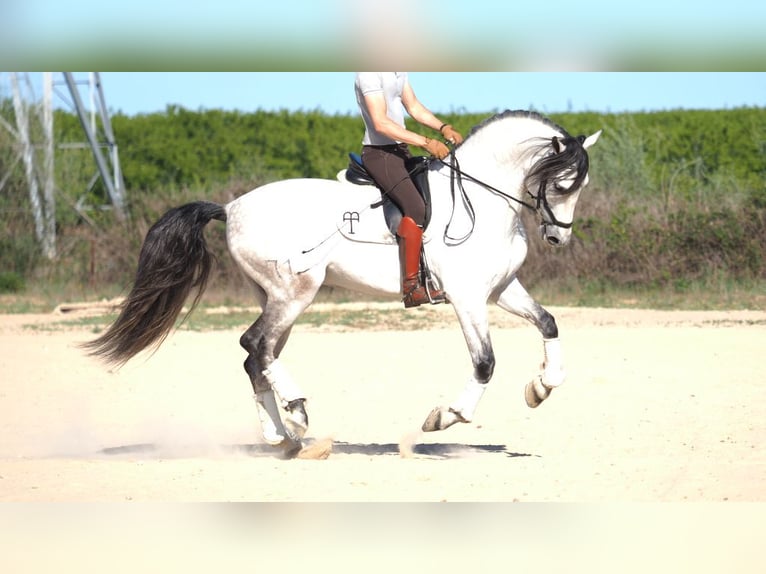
[[291, 447], [441, 418], [531, 396], [317, 450], [535, 393]]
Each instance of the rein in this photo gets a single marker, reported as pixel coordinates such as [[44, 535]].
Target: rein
[[456, 178], [456, 175]]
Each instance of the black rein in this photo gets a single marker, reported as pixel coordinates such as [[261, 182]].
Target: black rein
[[541, 201]]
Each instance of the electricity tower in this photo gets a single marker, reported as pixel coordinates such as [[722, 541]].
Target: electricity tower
[[34, 143]]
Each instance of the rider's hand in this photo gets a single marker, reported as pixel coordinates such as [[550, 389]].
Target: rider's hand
[[451, 135], [436, 148]]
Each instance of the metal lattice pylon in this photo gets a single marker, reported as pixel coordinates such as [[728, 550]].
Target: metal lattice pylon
[[37, 156], [39, 174], [110, 171]]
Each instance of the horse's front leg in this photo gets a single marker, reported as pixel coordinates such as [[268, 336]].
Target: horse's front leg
[[476, 331], [516, 300]]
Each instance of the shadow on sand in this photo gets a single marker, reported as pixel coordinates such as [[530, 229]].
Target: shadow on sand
[[431, 450]]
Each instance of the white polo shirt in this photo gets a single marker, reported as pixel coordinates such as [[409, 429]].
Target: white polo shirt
[[391, 85]]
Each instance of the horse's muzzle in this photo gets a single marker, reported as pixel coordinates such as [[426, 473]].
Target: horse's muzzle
[[554, 236]]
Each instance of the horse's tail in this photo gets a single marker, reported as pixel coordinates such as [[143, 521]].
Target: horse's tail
[[174, 260]]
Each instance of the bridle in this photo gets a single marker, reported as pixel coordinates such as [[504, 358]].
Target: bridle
[[540, 206]]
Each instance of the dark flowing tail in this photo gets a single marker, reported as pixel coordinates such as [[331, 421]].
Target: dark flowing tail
[[174, 260]]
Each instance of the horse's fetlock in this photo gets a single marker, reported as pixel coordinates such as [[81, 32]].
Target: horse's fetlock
[[296, 404], [552, 378], [466, 403], [297, 419], [485, 369]]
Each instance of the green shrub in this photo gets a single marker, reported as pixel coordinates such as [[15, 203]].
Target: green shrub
[[11, 282]]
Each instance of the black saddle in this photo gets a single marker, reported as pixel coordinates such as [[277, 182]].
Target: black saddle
[[417, 167]]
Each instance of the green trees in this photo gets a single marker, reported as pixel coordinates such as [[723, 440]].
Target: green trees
[[181, 148]]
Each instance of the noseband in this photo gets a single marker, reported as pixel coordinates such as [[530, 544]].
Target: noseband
[[542, 206]]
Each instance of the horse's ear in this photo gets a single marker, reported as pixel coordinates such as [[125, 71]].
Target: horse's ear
[[556, 144], [590, 140]]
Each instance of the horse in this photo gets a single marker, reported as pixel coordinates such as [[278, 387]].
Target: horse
[[293, 236]]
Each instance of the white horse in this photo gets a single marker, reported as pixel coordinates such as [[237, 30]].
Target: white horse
[[293, 236]]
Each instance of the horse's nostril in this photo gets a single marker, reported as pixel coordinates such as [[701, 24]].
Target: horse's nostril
[[552, 240]]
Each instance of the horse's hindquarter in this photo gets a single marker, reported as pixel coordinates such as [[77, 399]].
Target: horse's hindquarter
[[298, 222], [280, 219]]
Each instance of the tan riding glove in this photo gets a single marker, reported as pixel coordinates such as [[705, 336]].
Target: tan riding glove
[[436, 148], [451, 135]]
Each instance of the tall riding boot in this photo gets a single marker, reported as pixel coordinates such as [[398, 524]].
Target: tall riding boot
[[410, 243]]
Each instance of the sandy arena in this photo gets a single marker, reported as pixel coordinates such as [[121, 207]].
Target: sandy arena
[[658, 406]]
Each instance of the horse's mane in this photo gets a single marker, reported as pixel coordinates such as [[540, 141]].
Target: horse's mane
[[517, 114], [573, 159]]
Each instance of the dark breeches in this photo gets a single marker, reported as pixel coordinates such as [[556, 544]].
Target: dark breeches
[[386, 165]]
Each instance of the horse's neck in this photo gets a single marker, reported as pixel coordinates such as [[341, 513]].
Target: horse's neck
[[501, 153], [500, 168]]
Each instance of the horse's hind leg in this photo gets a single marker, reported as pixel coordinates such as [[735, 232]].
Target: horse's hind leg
[[273, 388], [264, 341], [516, 300]]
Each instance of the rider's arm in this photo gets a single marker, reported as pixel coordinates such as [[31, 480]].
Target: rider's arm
[[417, 110], [376, 106]]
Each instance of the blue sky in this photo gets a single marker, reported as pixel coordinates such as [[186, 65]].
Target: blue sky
[[332, 92]]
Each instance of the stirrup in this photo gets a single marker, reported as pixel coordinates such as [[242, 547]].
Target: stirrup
[[421, 294], [435, 295]]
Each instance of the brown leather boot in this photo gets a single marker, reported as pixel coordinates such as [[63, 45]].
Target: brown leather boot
[[410, 243]]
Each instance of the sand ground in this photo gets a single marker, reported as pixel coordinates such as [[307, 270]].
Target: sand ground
[[657, 407]]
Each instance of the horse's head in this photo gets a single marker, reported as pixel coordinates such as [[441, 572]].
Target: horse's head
[[555, 183]]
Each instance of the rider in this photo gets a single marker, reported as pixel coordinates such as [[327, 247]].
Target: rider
[[382, 98]]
